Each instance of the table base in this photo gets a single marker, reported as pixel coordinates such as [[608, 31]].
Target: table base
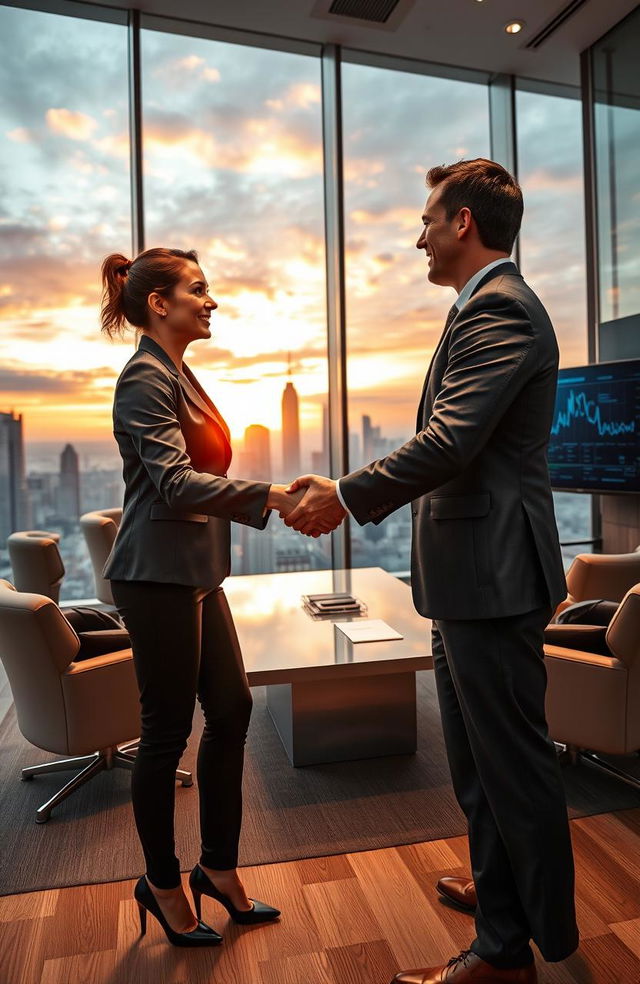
[[339, 720]]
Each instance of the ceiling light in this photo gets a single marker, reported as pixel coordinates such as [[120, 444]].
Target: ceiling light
[[514, 27]]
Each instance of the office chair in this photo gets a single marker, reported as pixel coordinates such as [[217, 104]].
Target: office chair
[[100, 528], [36, 562], [88, 709], [593, 692]]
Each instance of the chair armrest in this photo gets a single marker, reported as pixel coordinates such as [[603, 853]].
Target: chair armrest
[[585, 638], [98, 642], [96, 662], [590, 659], [102, 702]]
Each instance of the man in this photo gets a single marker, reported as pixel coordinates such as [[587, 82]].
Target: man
[[486, 568]]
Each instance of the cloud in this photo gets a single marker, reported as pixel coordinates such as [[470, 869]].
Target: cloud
[[20, 135], [76, 384], [76, 126], [303, 94]]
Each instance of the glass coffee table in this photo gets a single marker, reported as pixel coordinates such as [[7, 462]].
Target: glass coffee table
[[331, 699]]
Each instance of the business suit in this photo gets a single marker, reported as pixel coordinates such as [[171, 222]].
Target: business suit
[[178, 502], [486, 567], [166, 567]]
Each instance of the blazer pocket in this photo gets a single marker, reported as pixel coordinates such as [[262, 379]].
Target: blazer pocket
[[460, 506], [161, 511]]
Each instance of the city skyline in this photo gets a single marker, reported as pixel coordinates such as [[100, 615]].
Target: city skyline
[[241, 180]]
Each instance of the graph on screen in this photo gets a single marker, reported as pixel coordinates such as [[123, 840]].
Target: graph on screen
[[595, 435]]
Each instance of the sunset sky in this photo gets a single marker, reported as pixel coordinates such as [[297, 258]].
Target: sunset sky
[[233, 167]]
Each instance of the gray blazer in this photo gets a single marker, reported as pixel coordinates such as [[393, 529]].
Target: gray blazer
[[484, 542], [178, 502]]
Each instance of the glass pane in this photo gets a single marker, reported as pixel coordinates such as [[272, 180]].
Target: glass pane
[[64, 204], [552, 246], [395, 317], [233, 167], [617, 127], [552, 249]]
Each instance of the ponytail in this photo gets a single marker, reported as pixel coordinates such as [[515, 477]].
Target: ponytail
[[126, 285], [115, 269]]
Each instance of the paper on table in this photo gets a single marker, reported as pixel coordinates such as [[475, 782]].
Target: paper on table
[[368, 630]]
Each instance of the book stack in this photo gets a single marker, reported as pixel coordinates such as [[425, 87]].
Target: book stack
[[335, 605]]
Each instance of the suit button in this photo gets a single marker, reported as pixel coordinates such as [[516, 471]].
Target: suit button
[[414, 513]]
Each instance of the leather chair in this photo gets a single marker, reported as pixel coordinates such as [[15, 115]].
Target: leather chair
[[607, 576], [100, 529], [593, 692], [65, 705], [36, 562]]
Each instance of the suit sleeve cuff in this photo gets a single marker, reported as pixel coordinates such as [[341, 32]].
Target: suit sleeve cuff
[[340, 497]]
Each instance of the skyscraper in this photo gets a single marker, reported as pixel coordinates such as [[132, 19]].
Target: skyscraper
[[257, 453], [290, 431], [69, 488], [14, 499]]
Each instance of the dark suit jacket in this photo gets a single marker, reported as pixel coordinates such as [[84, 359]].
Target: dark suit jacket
[[485, 542], [178, 502]]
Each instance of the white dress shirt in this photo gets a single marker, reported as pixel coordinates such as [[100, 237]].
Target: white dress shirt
[[462, 299]]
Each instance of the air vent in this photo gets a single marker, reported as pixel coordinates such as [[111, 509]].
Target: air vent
[[377, 11], [377, 15], [555, 24]]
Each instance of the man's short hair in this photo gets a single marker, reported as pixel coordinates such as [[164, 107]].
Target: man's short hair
[[492, 194]]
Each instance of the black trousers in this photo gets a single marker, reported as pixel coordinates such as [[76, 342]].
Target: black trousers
[[185, 645], [491, 683]]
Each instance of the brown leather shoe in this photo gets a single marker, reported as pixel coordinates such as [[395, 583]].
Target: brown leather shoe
[[460, 891], [468, 968]]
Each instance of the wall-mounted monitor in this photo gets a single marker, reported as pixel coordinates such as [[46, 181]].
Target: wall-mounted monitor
[[595, 435]]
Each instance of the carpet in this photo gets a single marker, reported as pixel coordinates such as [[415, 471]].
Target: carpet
[[289, 813]]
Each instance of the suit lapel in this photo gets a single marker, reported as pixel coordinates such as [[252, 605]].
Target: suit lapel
[[498, 271], [192, 388], [446, 331], [188, 383]]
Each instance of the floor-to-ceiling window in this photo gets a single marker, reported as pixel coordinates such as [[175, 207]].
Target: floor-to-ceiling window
[[64, 204], [552, 245], [396, 126], [617, 131], [232, 148], [232, 140]]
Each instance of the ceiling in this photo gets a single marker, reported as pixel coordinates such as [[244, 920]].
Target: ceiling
[[462, 33]]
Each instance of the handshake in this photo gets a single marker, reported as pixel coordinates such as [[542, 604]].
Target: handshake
[[310, 505]]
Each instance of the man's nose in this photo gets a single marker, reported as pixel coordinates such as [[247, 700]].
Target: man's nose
[[421, 241]]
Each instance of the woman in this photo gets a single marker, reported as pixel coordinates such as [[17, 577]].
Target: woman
[[166, 567]]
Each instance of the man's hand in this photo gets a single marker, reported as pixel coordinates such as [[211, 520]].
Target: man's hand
[[320, 510]]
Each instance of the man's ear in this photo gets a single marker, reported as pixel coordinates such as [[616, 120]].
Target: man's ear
[[464, 222]]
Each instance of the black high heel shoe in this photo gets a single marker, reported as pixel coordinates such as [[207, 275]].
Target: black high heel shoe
[[201, 884], [202, 935]]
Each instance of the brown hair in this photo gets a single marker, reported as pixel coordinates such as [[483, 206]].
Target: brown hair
[[489, 191], [126, 285]]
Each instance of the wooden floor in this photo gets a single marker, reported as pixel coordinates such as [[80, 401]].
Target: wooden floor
[[350, 919]]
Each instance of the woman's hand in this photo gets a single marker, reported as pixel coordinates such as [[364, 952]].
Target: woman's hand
[[285, 502]]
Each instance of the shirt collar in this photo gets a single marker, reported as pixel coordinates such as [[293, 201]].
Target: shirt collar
[[471, 284]]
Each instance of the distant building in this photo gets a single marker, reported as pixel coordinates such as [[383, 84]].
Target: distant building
[[69, 487], [257, 453], [290, 432], [369, 437], [14, 498], [320, 460], [258, 550]]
